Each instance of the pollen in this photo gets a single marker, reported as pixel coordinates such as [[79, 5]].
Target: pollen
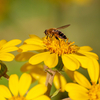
[[60, 46], [94, 92], [17, 98]]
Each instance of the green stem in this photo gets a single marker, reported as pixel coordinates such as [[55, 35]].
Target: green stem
[[60, 64], [51, 73], [6, 76], [49, 79]]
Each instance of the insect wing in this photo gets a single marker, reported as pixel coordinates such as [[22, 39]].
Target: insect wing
[[62, 27]]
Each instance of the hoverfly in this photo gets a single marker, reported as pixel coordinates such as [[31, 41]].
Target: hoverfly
[[55, 32]]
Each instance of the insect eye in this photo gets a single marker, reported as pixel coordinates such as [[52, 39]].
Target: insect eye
[[45, 31]]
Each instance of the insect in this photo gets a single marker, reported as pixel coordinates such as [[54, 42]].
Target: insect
[[55, 32]]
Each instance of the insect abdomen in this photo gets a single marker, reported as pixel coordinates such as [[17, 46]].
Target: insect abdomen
[[61, 35]]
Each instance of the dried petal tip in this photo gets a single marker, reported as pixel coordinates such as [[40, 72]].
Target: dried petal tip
[[3, 70]]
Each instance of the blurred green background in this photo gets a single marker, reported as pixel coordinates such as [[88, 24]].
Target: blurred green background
[[19, 18]]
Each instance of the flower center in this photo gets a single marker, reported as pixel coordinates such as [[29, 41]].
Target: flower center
[[94, 92], [17, 98], [60, 46]]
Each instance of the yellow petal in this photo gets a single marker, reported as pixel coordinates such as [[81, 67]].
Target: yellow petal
[[38, 58], [93, 70], [9, 49], [2, 98], [82, 80], [51, 61], [70, 87], [32, 68], [70, 62], [34, 40], [27, 67], [30, 47], [4, 91], [12, 43], [59, 82], [85, 48], [69, 73], [24, 83], [77, 95], [42, 97], [37, 72], [2, 42], [34, 36], [24, 56], [89, 54], [36, 91], [82, 59], [13, 84], [42, 79], [6, 56]]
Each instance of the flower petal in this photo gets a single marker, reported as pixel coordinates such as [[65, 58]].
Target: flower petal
[[24, 83], [2, 42], [34, 36], [2, 98], [42, 80], [85, 48], [33, 68], [27, 67], [6, 56], [69, 73], [76, 92], [34, 40], [9, 49], [4, 91], [38, 58], [42, 97], [75, 87], [51, 61], [13, 84], [70, 62], [82, 80], [12, 43], [30, 47], [59, 82], [36, 91], [82, 59], [24, 56], [37, 72], [89, 54], [93, 70], [77, 95]]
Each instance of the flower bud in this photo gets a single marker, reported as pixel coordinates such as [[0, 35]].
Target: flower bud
[[3, 70]]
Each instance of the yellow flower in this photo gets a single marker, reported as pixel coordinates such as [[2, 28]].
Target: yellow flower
[[85, 90], [52, 49], [19, 89], [37, 73], [59, 82], [6, 47]]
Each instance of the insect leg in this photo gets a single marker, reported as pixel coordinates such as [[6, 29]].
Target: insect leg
[[56, 37]]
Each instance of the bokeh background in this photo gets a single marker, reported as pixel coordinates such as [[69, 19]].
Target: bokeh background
[[19, 18]]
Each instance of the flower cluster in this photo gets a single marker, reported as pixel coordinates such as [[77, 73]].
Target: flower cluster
[[6, 47], [51, 49], [48, 60], [19, 89]]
